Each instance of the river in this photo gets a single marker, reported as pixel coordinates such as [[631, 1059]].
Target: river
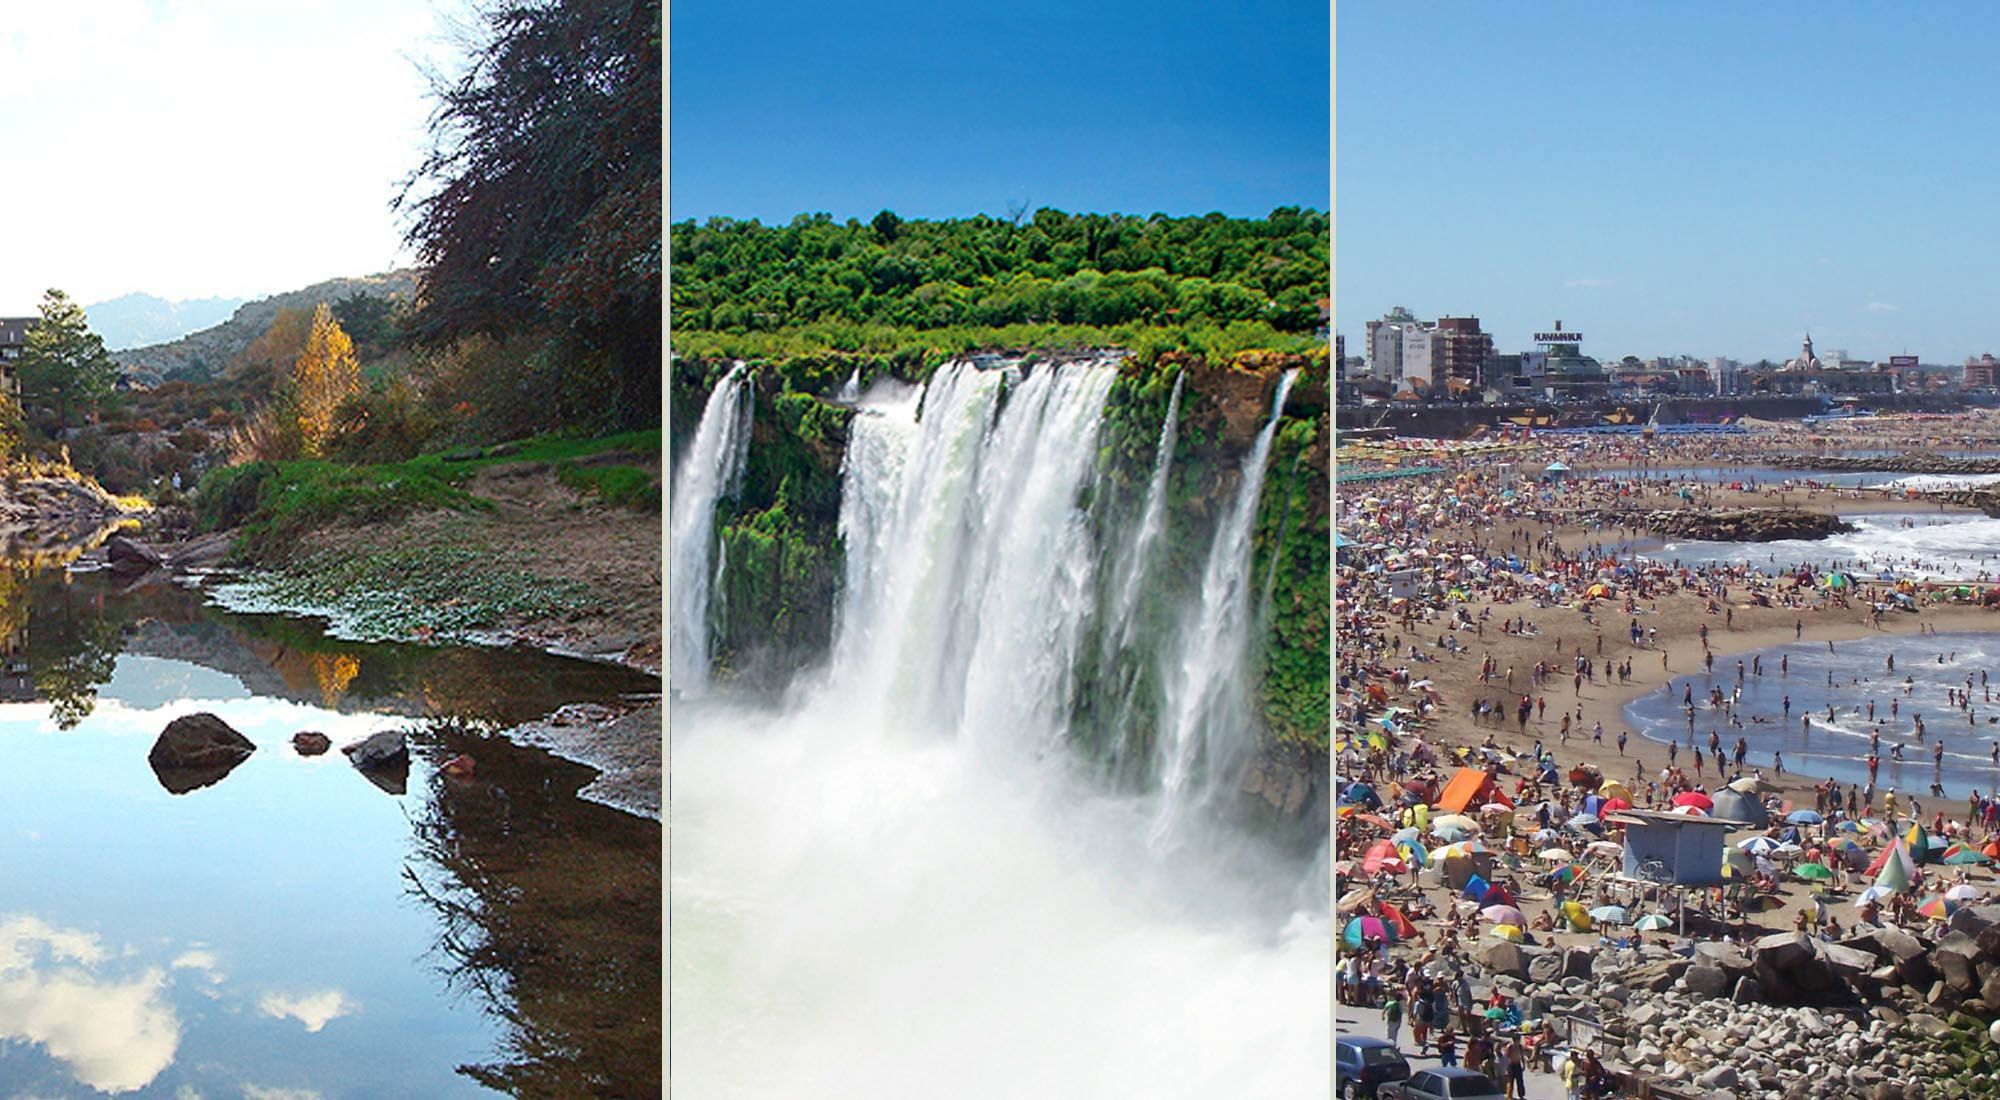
[[294, 929]]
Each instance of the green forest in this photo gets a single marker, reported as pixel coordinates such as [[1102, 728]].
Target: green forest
[[1211, 284]]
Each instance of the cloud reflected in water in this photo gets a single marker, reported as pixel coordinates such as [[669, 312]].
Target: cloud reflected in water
[[115, 1034]]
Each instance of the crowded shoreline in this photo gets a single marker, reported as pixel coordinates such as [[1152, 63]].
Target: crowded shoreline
[[1483, 626]]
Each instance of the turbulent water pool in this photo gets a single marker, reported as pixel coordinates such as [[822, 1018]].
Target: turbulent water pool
[[293, 929]]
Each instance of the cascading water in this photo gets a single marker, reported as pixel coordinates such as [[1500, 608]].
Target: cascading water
[[894, 885], [1204, 724], [1132, 569], [710, 471]]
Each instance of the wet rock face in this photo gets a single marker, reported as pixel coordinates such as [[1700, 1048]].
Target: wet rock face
[[196, 751], [1727, 525], [384, 759]]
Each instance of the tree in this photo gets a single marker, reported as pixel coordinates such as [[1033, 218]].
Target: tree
[[325, 375], [538, 208], [64, 365]]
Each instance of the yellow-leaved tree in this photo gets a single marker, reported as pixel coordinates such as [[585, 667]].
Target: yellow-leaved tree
[[325, 375]]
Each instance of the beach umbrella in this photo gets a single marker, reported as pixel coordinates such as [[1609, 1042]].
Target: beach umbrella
[[1745, 785], [1475, 887], [1614, 789], [1556, 855], [1360, 928], [1759, 845], [1873, 893], [1737, 859], [1938, 907], [1459, 820], [1653, 922], [1382, 856], [1415, 853], [1960, 853], [1695, 799], [1850, 827], [1612, 806], [1815, 871], [1503, 914], [1354, 899], [1573, 912], [1610, 914], [1495, 895], [1898, 869], [1804, 817], [1405, 835], [1785, 848], [1449, 833], [1566, 874], [1583, 821], [1964, 891], [1394, 918], [1361, 792], [1605, 848], [1510, 932]]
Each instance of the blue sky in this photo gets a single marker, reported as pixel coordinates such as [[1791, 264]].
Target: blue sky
[[1692, 178], [932, 110], [190, 148]]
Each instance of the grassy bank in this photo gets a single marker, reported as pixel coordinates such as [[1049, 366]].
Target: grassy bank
[[274, 503]]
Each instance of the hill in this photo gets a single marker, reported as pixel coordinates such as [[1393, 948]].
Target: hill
[[138, 320], [215, 346]]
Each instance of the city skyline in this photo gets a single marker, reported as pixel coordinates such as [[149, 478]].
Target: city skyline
[[1701, 180]]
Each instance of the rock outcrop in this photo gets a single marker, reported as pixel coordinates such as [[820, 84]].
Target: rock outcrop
[[1726, 525], [1912, 462]]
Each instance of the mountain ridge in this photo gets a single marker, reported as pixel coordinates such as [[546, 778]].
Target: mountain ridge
[[213, 347]]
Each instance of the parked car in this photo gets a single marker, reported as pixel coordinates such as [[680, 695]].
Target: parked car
[[1362, 1064], [1445, 1083]]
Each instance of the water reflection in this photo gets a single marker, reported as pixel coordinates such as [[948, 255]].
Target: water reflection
[[254, 939], [61, 990]]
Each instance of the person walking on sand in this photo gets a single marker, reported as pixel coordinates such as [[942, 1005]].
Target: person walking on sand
[[1777, 762], [1392, 1016]]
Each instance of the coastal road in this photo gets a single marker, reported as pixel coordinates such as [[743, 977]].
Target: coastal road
[[1351, 1020]]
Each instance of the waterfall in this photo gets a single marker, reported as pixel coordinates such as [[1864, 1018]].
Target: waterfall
[[970, 563], [1132, 567], [899, 883], [1206, 722], [711, 470], [850, 390]]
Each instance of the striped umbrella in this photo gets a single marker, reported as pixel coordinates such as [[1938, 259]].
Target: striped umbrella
[[1938, 907]]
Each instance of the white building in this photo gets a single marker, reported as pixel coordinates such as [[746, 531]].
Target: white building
[[1399, 350]]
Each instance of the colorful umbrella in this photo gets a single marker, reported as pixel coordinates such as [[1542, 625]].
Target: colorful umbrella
[[1566, 874], [1653, 922], [1959, 853], [1758, 845], [1503, 914], [1938, 907]]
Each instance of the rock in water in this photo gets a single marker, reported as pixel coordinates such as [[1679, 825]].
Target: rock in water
[[384, 758], [309, 743], [379, 750], [195, 751], [199, 741], [129, 557]]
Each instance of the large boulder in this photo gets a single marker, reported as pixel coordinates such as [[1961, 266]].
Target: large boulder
[[1957, 957], [195, 751], [1788, 963], [1728, 956], [1544, 965], [1707, 981]]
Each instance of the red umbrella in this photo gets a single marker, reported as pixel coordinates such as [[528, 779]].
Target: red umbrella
[[1696, 799], [1611, 805], [1382, 855]]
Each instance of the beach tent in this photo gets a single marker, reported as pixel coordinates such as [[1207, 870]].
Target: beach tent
[[1898, 870], [1736, 805], [1471, 787]]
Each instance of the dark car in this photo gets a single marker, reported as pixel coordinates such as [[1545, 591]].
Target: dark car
[[1444, 1083], [1362, 1064]]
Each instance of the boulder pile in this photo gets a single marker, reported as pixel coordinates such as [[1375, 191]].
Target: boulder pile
[[1909, 462], [1882, 1012]]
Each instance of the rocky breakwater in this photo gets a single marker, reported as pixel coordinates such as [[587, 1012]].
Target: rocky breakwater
[[1725, 525], [1881, 1013], [1909, 462], [1983, 498]]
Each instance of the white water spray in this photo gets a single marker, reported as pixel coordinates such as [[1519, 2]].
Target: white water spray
[[710, 471], [894, 888], [1205, 723]]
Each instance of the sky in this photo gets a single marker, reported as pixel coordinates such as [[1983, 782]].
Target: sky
[[196, 148], [1697, 178], [782, 107]]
